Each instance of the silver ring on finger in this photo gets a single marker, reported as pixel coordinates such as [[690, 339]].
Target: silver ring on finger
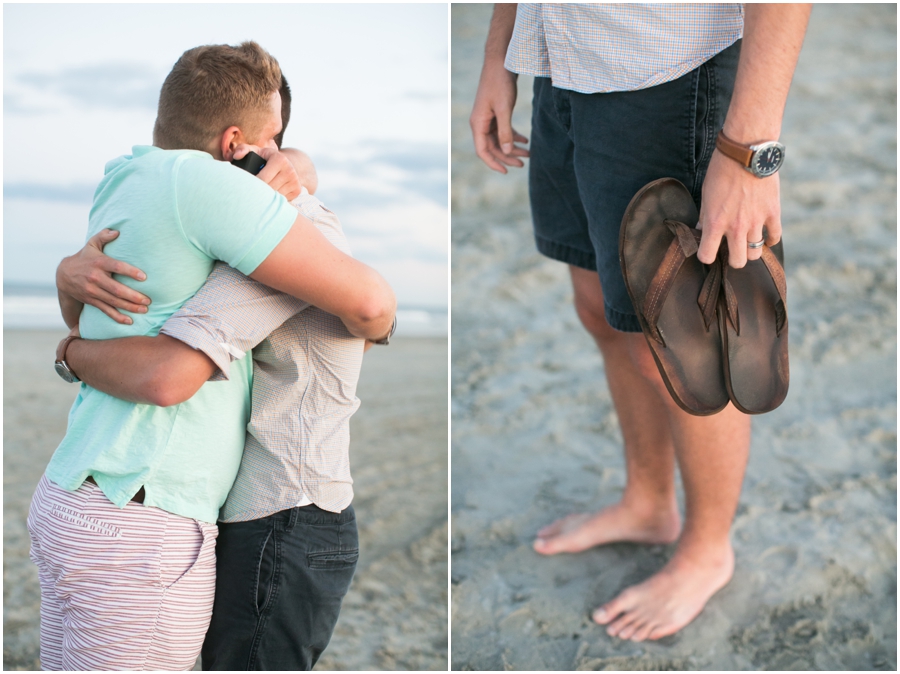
[[753, 245]]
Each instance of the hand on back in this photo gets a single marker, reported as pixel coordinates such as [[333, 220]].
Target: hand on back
[[87, 276]]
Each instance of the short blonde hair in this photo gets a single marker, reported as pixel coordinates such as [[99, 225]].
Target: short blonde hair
[[212, 88]]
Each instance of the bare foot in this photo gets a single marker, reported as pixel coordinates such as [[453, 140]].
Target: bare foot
[[667, 601], [614, 524]]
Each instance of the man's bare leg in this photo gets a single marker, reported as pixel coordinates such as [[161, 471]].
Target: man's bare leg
[[648, 512], [712, 453]]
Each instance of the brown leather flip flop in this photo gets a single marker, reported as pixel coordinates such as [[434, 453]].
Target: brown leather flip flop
[[673, 295], [754, 327]]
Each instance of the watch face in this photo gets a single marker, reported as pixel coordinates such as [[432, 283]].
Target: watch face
[[767, 159], [65, 373]]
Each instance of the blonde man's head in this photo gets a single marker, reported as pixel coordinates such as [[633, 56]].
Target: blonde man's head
[[212, 88]]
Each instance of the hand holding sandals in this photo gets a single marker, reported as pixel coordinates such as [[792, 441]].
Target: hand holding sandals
[[736, 206], [716, 332], [736, 203]]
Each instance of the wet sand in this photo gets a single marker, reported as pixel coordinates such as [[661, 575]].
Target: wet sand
[[395, 616], [535, 436]]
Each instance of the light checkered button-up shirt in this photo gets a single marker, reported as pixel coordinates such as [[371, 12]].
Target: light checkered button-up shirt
[[305, 369], [594, 48]]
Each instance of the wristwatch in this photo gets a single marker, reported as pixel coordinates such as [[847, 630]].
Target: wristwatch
[[761, 160], [387, 340], [62, 367]]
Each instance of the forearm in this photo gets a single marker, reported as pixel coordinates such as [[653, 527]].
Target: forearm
[[151, 370], [491, 119], [70, 308], [359, 296], [773, 36], [375, 316], [307, 266], [502, 23]]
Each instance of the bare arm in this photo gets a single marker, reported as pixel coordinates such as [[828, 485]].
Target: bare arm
[[165, 371], [70, 308], [222, 322], [491, 119], [737, 204], [306, 265], [152, 370]]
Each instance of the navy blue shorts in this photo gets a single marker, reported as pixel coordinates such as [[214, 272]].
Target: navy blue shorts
[[590, 154], [280, 581]]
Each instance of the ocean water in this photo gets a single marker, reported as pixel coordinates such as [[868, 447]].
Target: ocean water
[[36, 308]]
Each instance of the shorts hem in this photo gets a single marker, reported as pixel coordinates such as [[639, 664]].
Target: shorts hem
[[568, 254], [621, 322]]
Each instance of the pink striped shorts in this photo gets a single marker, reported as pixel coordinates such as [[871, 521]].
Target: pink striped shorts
[[121, 589]]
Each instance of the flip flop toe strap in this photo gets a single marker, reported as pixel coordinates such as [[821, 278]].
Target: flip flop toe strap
[[778, 278], [709, 293], [731, 303], [684, 244]]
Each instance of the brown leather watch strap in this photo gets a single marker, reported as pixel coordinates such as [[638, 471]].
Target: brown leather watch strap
[[63, 347], [740, 153]]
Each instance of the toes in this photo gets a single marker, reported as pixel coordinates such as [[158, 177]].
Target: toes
[[643, 633], [558, 537], [556, 527], [548, 530], [548, 546], [660, 632], [610, 610], [620, 625], [631, 629], [602, 615], [542, 546], [551, 529]]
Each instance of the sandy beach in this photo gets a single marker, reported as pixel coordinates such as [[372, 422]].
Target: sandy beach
[[535, 436], [395, 616]]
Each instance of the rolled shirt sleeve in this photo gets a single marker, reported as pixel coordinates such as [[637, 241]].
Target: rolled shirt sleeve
[[232, 313], [229, 316]]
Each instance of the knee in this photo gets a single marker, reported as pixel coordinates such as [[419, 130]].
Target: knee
[[593, 317], [643, 361]]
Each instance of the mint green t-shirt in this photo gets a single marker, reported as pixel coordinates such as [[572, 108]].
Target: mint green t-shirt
[[178, 212]]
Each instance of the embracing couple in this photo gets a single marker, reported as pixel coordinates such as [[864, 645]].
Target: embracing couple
[[174, 429]]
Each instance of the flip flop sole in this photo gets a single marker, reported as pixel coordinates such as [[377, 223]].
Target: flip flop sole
[[690, 360], [756, 358]]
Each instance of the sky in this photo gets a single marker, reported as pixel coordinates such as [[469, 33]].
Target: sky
[[370, 106]]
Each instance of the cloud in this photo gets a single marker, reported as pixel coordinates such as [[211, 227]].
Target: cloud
[[421, 168], [113, 85], [76, 193], [415, 158], [14, 105], [355, 198], [432, 188]]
